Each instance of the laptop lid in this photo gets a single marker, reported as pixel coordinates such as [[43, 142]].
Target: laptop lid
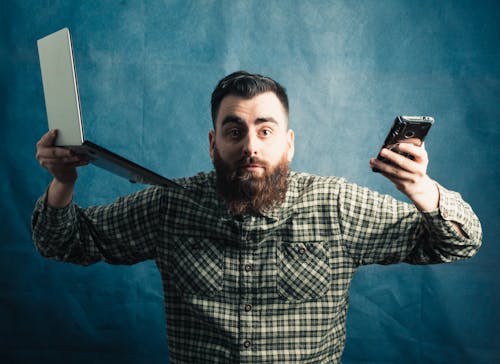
[[60, 89], [62, 103]]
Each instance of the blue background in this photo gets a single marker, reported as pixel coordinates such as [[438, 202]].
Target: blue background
[[146, 71]]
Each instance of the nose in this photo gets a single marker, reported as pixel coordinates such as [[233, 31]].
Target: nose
[[251, 145]]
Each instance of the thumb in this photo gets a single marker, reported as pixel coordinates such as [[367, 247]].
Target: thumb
[[49, 138]]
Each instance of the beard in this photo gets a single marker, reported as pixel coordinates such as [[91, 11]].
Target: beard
[[245, 192]]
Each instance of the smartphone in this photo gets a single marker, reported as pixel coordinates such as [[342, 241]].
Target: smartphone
[[406, 129]]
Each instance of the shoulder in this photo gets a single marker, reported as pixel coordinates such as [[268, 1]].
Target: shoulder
[[194, 187], [195, 191], [311, 189], [200, 181], [304, 181]]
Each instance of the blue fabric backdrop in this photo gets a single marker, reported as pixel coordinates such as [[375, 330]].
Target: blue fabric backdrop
[[146, 70]]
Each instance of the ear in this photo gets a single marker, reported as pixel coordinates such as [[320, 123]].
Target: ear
[[211, 143], [290, 136]]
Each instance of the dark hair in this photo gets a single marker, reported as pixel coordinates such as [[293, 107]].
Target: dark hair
[[247, 85]]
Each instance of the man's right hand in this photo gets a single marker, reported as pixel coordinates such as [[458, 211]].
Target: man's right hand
[[62, 164]]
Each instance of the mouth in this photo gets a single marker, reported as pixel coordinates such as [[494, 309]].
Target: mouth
[[252, 167]]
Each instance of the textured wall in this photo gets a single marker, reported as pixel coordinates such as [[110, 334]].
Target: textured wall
[[146, 70]]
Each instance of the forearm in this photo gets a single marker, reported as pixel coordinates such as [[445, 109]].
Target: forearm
[[455, 231], [57, 235], [428, 201], [60, 194], [123, 232], [393, 231]]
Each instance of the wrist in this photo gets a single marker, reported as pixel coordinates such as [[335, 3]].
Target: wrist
[[427, 197], [60, 194]]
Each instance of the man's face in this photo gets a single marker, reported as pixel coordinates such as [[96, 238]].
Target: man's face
[[251, 148], [252, 135]]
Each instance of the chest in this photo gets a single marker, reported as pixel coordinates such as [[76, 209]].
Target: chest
[[295, 259]]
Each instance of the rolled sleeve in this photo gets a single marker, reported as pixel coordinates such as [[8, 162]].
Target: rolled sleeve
[[453, 209], [123, 232], [50, 224], [46, 214]]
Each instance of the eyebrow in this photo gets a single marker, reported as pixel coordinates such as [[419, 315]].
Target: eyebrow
[[232, 119], [237, 120]]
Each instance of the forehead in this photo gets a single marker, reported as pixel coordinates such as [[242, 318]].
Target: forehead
[[261, 106]]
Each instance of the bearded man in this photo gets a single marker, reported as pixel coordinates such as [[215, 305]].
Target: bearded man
[[255, 259]]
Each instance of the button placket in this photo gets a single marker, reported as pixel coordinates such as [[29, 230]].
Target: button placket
[[250, 279], [248, 269], [246, 299]]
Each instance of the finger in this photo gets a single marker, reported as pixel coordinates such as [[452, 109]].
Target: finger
[[399, 183], [63, 157], [53, 152], [418, 152], [393, 172], [62, 160], [399, 161], [48, 138], [57, 163], [398, 175]]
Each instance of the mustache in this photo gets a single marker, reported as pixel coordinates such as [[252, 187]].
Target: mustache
[[251, 160], [240, 174]]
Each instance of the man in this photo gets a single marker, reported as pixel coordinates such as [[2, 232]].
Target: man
[[256, 260]]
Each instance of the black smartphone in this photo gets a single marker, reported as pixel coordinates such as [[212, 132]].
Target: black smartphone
[[406, 129]]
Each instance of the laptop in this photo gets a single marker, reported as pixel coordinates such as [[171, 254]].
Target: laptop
[[62, 103]]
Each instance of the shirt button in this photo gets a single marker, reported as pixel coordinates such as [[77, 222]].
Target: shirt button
[[248, 267], [248, 307], [247, 344]]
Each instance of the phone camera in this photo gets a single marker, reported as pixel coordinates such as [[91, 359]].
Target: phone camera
[[409, 134]]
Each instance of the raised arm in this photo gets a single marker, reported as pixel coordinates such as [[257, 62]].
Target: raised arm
[[62, 165], [124, 232], [410, 177]]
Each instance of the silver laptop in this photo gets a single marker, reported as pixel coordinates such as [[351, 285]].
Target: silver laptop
[[62, 103]]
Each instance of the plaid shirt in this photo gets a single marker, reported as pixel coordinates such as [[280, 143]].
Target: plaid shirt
[[271, 288]]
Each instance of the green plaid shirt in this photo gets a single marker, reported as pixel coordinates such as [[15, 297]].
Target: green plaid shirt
[[257, 289]]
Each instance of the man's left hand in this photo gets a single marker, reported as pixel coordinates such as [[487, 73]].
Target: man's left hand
[[410, 176]]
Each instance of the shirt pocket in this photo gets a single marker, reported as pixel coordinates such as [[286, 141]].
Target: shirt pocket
[[303, 271], [197, 266]]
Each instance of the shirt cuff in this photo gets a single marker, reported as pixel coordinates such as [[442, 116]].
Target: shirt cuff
[[452, 208], [52, 215]]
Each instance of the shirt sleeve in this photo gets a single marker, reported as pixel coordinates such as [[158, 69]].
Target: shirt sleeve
[[124, 232], [379, 229]]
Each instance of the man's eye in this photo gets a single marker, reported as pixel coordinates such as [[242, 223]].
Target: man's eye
[[234, 133], [266, 132]]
